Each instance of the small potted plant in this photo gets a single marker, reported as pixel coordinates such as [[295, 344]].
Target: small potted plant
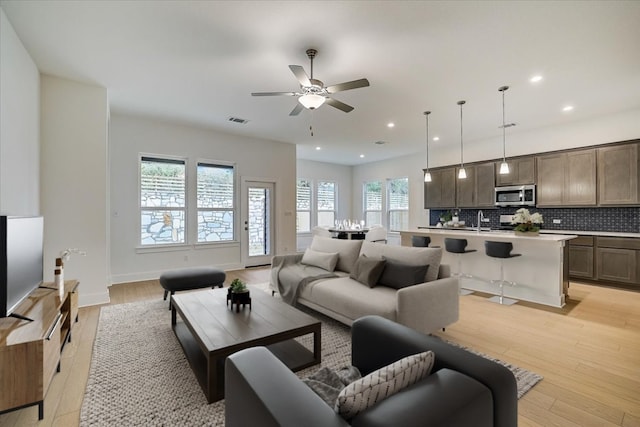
[[238, 294]]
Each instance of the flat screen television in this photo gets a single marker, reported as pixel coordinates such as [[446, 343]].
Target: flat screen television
[[21, 243]]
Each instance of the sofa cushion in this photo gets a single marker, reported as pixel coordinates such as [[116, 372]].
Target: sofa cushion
[[368, 270], [325, 260], [348, 250], [398, 275], [349, 298], [408, 255], [382, 383]]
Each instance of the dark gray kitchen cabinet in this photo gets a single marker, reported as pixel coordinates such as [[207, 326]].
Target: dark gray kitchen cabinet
[[477, 189], [567, 178], [618, 260], [441, 191], [522, 170], [619, 175], [581, 257]]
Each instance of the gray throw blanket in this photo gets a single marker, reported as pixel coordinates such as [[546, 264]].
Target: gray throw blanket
[[328, 383], [291, 276]]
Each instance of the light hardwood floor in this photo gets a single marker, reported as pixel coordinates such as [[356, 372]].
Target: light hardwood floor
[[588, 353]]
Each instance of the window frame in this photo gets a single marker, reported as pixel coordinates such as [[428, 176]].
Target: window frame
[[235, 201], [317, 201], [169, 159], [365, 211], [389, 210], [310, 210]]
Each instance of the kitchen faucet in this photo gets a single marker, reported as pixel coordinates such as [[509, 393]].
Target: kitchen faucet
[[480, 218]]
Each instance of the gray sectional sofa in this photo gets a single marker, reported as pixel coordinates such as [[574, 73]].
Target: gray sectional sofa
[[429, 304], [463, 389]]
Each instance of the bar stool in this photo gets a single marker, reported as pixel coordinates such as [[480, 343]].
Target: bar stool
[[501, 250], [420, 241], [458, 247]]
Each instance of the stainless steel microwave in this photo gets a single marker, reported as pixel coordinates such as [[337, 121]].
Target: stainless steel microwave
[[515, 195]]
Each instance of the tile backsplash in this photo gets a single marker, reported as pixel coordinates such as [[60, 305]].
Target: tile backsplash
[[624, 219]]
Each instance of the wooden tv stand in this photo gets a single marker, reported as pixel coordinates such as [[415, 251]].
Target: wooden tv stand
[[30, 350]]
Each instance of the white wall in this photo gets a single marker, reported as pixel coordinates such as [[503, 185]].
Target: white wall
[[19, 126], [74, 183], [261, 159], [600, 130], [341, 175]]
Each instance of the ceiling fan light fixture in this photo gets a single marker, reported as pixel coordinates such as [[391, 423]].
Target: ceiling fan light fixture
[[311, 101]]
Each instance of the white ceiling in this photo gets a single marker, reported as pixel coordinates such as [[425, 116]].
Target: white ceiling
[[198, 62]]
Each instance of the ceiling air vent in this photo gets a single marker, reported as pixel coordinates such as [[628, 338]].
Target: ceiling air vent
[[238, 120]]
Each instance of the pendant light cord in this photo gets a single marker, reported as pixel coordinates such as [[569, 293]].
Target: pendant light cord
[[461, 103], [426, 113]]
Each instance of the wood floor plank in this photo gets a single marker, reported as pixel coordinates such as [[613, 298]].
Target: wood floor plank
[[587, 351]]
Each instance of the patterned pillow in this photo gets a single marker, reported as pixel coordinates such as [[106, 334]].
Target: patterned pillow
[[378, 385]]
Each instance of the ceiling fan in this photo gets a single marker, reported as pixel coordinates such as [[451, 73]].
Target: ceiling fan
[[313, 93]]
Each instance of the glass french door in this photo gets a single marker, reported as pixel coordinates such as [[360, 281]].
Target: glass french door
[[258, 240]]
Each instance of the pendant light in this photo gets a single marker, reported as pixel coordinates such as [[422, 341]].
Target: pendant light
[[462, 174], [504, 166], [427, 174]]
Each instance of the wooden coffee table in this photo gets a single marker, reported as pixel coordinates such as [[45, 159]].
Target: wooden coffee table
[[210, 331]]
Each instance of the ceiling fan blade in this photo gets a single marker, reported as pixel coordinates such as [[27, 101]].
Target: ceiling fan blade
[[355, 84], [339, 105], [273, 93], [300, 74], [296, 110]]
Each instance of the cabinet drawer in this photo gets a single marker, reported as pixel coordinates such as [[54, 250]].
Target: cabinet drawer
[[618, 242], [581, 241], [51, 354]]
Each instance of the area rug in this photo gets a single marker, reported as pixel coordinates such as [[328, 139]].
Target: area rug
[[139, 375]]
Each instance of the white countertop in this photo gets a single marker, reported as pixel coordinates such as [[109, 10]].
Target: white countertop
[[545, 231], [593, 233], [504, 234]]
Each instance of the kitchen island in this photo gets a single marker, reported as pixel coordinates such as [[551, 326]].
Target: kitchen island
[[541, 273]]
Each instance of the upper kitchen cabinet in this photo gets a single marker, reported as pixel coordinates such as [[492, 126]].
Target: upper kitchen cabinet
[[522, 171], [618, 175], [477, 189], [441, 191], [567, 179]]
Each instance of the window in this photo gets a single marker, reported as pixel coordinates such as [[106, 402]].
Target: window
[[162, 201], [303, 206], [372, 193], [326, 203], [216, 203], [398, 203]]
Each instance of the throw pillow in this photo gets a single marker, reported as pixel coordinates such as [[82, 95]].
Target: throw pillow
[[378, 385], [398, 275], [368, 270], [325, 260]]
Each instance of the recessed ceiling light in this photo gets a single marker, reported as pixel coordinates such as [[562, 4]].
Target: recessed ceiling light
[[567, 108], [390, 124], [318, 148], [380, 142], [536, 79], [362, 156], [436, 138]]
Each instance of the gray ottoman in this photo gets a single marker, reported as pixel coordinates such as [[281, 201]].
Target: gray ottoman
[[185, 279]]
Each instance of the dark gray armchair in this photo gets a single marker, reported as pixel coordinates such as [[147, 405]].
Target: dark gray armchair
[[463, 390]]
